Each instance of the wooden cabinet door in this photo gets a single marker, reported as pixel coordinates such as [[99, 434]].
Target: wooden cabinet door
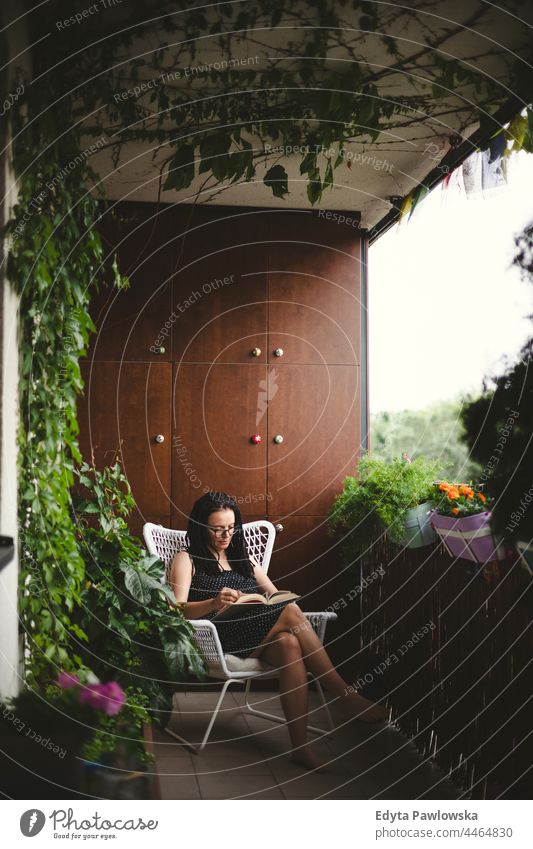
[[314, 291], [315, 409], [124, 407], [215, 412], [133, 322], [220, 288]]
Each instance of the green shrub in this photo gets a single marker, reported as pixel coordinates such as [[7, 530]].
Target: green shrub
[[134, 635], [377, 500]]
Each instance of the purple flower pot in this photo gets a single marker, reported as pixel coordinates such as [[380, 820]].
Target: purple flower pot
[[468, 536]]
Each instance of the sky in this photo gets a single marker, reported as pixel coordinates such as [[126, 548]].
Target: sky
[[445, 304]]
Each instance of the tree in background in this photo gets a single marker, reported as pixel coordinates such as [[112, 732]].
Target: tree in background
[[435, 432], [499, 429]]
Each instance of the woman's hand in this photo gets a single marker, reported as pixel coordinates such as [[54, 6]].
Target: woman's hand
[[225, 597]]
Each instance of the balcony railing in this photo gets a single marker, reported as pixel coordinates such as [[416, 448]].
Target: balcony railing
[[451, 642]]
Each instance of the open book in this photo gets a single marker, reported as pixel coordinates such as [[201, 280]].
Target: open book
[[256, 599]]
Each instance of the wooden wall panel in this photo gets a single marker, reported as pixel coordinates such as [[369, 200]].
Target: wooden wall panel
[[316, 410], [125, 405], [214, 416], [209, 284], [130, 321]]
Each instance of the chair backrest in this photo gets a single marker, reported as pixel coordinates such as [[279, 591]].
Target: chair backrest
[[166, 542]]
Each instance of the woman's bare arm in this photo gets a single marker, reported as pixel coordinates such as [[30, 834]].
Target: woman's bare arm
[[262, 580], [180, 582]]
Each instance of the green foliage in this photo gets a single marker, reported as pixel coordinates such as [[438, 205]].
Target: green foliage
[[376, 501], [118, 739], [436, 431], [53, 711], [54, 255], [134, 635]]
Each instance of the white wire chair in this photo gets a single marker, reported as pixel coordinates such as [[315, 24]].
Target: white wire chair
[[259, 537]]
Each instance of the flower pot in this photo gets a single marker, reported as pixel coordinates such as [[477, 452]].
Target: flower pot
[[39, 763], [468, 536], [418, 529]]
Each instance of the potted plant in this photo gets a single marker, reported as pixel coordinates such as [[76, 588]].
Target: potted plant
[[46, 734], [462, 521], [387, 498]]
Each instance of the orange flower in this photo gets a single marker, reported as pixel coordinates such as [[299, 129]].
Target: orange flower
[[455, 511], [481, 497], [453, 493], [466, 490], [444, 487]]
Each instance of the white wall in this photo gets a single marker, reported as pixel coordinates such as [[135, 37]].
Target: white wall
[[9, 657], [13, 43]]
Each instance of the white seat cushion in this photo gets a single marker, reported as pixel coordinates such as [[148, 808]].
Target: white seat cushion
[[239, 664], [246, 664]]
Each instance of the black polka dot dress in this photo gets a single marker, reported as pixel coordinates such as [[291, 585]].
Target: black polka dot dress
[[242, 634]]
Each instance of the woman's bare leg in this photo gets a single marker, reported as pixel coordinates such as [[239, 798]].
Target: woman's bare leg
[[317, 661], [284, 652]]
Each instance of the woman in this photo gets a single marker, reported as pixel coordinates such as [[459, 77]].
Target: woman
[[212, 574]]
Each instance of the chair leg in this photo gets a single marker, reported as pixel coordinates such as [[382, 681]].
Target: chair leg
[[256, 712], [195, 748], [274, 718]]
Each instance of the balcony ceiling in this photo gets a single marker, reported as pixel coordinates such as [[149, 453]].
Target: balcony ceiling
[[489, 40]]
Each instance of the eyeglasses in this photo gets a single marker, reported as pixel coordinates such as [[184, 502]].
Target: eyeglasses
[[219, 532]]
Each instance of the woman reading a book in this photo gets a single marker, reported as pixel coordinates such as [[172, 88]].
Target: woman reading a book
[[212, 575]]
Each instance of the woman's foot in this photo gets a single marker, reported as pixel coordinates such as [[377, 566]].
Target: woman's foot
[[357, 707], [305, 757]]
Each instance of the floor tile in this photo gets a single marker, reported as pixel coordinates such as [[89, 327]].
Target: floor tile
[[249, 756], [179, 787], [249, 786], [231, 766]]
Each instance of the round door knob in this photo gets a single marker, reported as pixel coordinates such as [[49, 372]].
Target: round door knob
[[278, 439], [159, 350], [278, 352], [159, 438], [256, 352], [255, 439], [278, 527]]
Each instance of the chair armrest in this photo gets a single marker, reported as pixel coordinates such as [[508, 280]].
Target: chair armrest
[[319, 621], [208, 641]]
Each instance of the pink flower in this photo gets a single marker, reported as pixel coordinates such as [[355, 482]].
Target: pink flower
[[107, 697], [66, 680], [115, 697], [92, 695]]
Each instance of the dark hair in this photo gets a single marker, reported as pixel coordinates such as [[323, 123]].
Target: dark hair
[[198, 535]]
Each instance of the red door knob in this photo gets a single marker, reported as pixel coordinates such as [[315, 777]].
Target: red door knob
[[255, 439]]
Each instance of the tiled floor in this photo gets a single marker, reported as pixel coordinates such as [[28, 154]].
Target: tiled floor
[[247, 758]]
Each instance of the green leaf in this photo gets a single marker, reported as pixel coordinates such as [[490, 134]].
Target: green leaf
[[328, 176], [314, 190], [308, 163], [181, 169], [213, 150], [276, 178]]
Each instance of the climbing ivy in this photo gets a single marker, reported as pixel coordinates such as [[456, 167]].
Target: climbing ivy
[[53, 259], [279, 78]]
